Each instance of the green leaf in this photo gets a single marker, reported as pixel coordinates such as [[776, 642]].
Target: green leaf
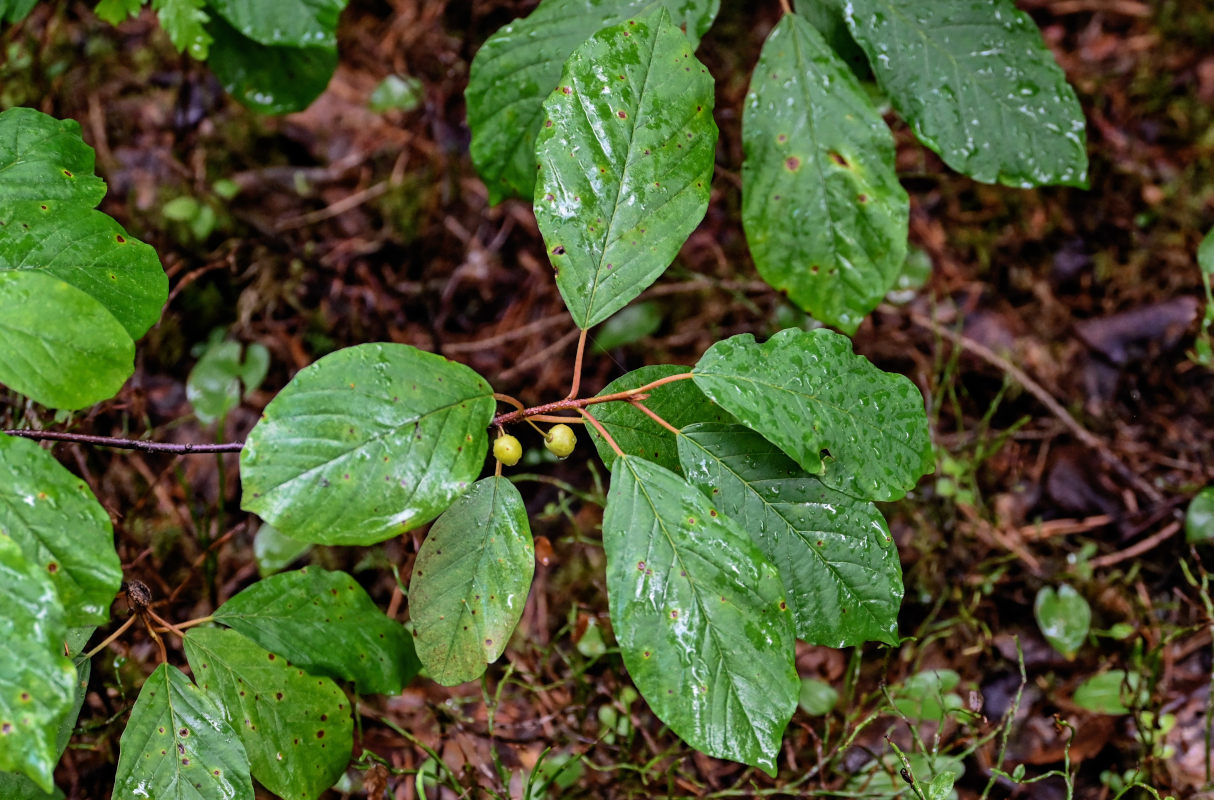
[[178, 746], [817, 698], [927, 694], [269, 80], [37, 683], [517, 68], [880, 778], [470, 582], [700, 616], [835, 554], [825, 216], [16, 10], [117, 11], [184, 21], [627, 326], [284, 23], [680, 403], [43, 158], [1064, 618], [1205, 252], [90, 251], [325, 623], [61, 528], [296, 728], [1199, 519], [1113, 692], [396, 92], [807, 392], [941, 787], [365, 444], [214, 384], [978, 86], [58, 345], [274, 551], [625, 163]]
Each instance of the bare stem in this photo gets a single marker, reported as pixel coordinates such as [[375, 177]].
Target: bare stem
[[579, 403], [647, 411], [141, 445], [602, 431], [107, 640]]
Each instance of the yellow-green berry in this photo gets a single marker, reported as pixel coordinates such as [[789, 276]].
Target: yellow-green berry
[[560, 440], [507, 450]]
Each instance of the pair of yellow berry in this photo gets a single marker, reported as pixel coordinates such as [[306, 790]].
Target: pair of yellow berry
[[560, 441]]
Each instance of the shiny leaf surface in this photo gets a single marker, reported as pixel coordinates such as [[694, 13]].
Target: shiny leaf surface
[[699, 614], [43, 158], [268, 79], [470, 582], [178, 746], [519, 66], [825, 216], [60, 527], [835, 554], [365, 444], [37, 683], [295, 727], [325, 623], [625, 159], [284, 23], [59, 346], [807, 392], [977, 85], [680, 403], [1064, 617]]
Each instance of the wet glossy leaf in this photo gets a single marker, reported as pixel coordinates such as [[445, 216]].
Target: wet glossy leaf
[[699, 614], [37, 683], [977, 85], [268, 79], [184, 21], [519, 66], [680, 403], [1199, 519], [43, 158], [1064, 618], [825, 216], [60, 527], [295, 727], [1113, 692], [275, 552], [365, 444], [325, 623], [861, 430], [178, 746], [470, 582], [625, 163], [284, 23], [838, 562]]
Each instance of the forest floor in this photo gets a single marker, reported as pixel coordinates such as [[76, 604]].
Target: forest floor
[[353, 226]]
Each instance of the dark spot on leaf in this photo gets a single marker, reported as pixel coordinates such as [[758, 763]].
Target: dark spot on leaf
[[52, 567], [559, 250], [320, 734], [863, 198], [120, 239], [792, 163], [838, 159], [621, 115]]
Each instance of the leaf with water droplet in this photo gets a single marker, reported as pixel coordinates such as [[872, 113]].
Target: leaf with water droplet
[[470, 582], [699, 614], [825, 216], [1064, 617], [269, 79], [284, 23], [295, 727]]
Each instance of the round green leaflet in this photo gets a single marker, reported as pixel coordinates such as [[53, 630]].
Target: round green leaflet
[[295, 727], [365, 444], [700, 616], [1064, 617], [470, 582], [825, 216], [178, 746], [60, 527], [625, 160], [37, 683]]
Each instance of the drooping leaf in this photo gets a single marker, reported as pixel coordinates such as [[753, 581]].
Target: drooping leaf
[[1064, 617], [470, 582], [58, 345], [295, 727], [680, 403], [519, 66], [325, 623], [978, 86], [178, 746], [185, 23], [817, 698], [117, 11], [807, 392], [61, 528], [268, 79], [825, 216], [274, 551], [284, 23], [625, 158], [365, 444], [835, 554], [699, 614], [37, 683], [43, 158]]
